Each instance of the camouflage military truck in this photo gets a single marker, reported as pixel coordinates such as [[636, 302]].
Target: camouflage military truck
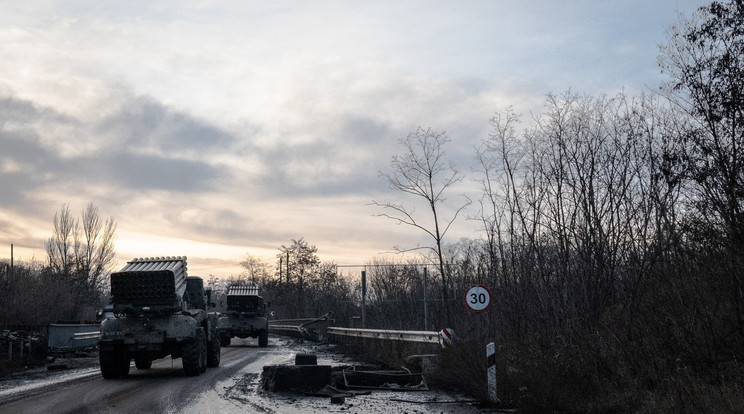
[[245, 316], [158, 311]]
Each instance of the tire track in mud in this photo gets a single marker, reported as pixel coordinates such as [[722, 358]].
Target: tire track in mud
[[239, 391]]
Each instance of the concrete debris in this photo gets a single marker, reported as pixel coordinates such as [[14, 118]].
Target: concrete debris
[[304, 378], [394, 380], [331, 391], [306, 359]]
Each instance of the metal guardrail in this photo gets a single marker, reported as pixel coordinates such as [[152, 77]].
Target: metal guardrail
[[303, 328], [427, 337], [288, 328], [86, 335], [295, 322], [297, 327], [72, 337]]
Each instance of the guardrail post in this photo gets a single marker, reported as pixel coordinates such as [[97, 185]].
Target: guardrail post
[[491, 368]]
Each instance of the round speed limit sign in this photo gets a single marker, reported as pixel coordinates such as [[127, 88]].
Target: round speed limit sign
[[478, 298]]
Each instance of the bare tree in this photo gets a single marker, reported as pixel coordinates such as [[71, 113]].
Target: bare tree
[[61, 246], [97, 248], [302, 258], [423, 171], [81, 252], [503, 160], [256, 270], [301, 263], [704, 57]]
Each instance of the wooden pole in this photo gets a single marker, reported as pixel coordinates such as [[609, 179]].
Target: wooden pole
[[364, 298], [426, 311]]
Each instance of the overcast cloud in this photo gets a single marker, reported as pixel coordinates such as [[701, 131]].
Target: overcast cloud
[[213, 129]]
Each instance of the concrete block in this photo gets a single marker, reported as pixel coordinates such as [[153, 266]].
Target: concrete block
[[306, 359], [304, 378]]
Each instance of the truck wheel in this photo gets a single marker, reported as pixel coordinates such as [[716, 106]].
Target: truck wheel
[[225, 339], [213, 351], [192, 354], [263, 339], [124, 367], [113, 364], [142, 363], [109, 364], [203, 355]]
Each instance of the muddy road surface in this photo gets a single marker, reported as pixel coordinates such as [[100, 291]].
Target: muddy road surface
[[233, 387]]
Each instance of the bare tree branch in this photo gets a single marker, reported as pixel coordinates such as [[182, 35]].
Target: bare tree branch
[[423, 172]]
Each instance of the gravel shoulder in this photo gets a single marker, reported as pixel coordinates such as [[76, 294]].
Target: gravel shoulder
[[59, 368]]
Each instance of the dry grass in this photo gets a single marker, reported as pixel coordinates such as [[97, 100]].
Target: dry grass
[[18, 364], [535, 381]]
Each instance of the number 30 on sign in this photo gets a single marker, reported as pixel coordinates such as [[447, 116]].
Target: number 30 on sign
[[478, 298]]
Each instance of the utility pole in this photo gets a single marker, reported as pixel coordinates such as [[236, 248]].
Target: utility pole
[[11, 257], [426, 322], [364, 298]]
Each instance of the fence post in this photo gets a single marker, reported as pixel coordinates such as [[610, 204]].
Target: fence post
[[491, 369]]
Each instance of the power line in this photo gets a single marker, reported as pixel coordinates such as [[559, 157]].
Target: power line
[[387, 265]]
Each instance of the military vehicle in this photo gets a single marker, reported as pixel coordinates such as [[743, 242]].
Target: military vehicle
[[245, 316], [158, 311]]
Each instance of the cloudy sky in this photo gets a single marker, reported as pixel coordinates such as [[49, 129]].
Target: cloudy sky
[[216, 129]]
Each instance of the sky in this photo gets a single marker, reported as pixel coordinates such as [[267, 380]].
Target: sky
[[221, 129]]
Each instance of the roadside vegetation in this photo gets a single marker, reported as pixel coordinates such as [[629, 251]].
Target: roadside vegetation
[[612, 243], [80, 254]]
